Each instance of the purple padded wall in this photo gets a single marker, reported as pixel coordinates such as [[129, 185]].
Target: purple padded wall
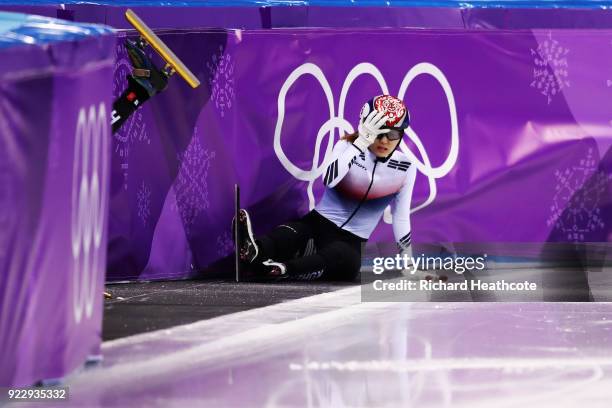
[[510, 134], [54, 182]]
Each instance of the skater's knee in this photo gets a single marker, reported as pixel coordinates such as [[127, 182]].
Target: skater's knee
[[296, 228], [292, 233]]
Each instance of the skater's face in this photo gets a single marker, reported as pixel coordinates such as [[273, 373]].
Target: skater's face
[[382, 146]]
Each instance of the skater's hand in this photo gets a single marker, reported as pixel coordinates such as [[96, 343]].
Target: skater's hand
[[406, 255], [418, 271], [370, 129]]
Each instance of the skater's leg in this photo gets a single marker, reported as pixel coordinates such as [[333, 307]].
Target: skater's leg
[[343, 260], [284, 242], [338, 260], [131, 99], [145, 81]]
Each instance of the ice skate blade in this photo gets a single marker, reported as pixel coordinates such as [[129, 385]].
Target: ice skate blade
[[162, 49]]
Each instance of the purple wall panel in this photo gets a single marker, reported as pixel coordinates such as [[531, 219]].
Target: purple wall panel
[[155, 160], [528, 108], [379, 17], [41, 10], [534, 18], [54, 179]]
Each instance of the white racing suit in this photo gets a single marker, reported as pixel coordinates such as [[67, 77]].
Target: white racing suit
[[359, 186]]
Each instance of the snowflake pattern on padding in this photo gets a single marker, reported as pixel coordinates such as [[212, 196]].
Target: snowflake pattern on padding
[[222, 84], [191, 184], [133, 130], [225, 244], [550, 74], [575, 210], [143, 203]]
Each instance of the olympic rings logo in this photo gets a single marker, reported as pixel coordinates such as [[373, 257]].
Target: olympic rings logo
[[89, 202], [339, 122]]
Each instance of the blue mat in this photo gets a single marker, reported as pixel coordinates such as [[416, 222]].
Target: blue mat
[[20, 29]]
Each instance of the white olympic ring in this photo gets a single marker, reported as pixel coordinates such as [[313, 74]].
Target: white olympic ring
[[339, 122], [89, 202]]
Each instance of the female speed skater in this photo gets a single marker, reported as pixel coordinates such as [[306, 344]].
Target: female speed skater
[[366, 173]]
